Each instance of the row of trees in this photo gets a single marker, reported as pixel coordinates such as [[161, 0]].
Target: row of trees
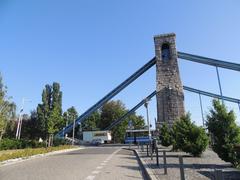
[[43, 122], [49, 118], [223, 132], [7, 109]]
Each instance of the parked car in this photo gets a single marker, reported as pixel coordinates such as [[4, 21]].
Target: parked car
[[97, 142]]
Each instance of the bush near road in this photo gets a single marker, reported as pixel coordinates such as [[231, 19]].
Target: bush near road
[[188, 137], [166, 137], [225, 133], [22, 153], [7, 144]]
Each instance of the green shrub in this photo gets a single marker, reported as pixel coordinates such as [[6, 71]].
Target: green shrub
[[9, 144], [6, 144], [188, 137], [59, 141], [29, 152], [165, 135], [225, 133]]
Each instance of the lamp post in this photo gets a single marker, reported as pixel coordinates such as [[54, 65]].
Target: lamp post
[[73, 134], [148, 123], [19, 126]]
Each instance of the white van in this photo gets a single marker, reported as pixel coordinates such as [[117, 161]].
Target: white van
[[89, 136]]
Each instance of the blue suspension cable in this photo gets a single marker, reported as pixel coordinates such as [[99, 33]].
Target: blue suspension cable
[[200, 99], [239, 105], [219, 84]]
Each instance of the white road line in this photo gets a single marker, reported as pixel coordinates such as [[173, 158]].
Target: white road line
[[99, 167], [110, 157], [102, 164], [95, 172], [90, 177]]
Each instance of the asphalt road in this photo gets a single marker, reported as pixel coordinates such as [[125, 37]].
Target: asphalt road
[[99, 163]]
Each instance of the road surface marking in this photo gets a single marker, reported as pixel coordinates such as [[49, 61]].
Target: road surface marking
[[102, 164], [95, 172], [90, 177]]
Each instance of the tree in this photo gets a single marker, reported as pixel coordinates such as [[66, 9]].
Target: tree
[[112, 111], [43, 110], [137, 121], [49, 113], [52, 124], [10, 131], [90, 124], [221, 124], [30, 129], [7, 108], [57, 104], [188, 137], [70, 116], [166, 135]]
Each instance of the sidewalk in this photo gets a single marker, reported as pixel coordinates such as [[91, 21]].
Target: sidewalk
[[202, 168]]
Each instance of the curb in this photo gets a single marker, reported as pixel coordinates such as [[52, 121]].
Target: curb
[[147, 172], [22, 159]]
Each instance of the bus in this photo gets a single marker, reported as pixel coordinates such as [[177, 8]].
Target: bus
[[137, 136]]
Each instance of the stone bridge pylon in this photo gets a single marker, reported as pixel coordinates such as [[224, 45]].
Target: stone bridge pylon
[[170, 97]]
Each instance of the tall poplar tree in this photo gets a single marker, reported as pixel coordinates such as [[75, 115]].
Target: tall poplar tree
[[49, 112]]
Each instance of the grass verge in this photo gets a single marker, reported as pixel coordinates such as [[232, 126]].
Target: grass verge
[[24, 153]]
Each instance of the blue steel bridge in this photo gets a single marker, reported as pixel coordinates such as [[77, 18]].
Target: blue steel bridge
[[181, 56]]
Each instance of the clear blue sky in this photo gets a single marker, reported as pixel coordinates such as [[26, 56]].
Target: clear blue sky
[[91, 46]]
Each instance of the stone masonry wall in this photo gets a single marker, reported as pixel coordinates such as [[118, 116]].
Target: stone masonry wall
[[170, 97]]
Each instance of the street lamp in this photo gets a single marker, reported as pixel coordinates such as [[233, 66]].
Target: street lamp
[[148, 124], [19, 126], [73, 134], [149, 131]]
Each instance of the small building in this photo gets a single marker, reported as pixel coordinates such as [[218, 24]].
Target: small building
[[89, 136]]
